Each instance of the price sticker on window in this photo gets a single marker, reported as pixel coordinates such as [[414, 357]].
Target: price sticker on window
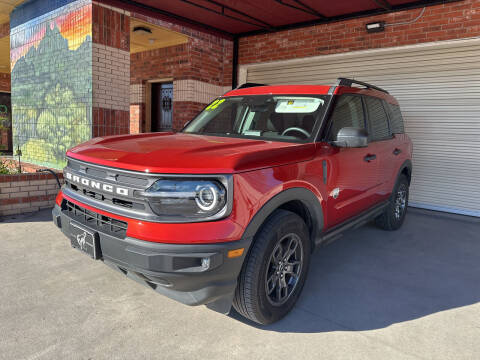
[[297, 105]]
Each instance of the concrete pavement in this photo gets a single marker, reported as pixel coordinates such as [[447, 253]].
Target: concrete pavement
[[410, 294]]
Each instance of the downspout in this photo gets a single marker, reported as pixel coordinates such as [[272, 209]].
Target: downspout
[[235, 63]]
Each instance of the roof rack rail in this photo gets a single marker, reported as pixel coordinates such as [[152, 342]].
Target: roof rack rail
[[248, 85], [349, 82]]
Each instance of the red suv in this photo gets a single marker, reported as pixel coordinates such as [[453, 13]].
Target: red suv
[[228, 211]]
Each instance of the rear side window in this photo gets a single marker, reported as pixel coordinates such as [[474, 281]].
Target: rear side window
[[377, 118], [348, 112], [396, 119]]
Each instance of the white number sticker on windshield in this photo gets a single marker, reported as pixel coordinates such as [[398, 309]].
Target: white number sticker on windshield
[[297, 105]]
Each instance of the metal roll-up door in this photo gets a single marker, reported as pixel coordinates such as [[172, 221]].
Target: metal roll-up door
[[438, 87]]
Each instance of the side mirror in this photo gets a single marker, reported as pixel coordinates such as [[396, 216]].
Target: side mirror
[[350, 137]]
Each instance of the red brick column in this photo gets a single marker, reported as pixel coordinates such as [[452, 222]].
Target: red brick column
[[137, 108], [111, 71]]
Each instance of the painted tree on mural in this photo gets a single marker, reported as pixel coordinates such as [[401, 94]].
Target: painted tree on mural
[[52, 107]]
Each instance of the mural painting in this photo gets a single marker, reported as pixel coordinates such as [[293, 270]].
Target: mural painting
[[51, 62]]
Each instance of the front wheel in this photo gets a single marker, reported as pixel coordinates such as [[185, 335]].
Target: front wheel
[[275, 269], [394, 214]]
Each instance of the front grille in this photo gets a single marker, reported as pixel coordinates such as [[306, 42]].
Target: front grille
[[94, 220], [101, 197], [115, 202]]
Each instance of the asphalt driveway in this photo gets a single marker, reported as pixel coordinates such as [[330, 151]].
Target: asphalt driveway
[[414, 293]]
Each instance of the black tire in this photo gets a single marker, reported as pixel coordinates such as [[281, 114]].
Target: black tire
[[280, 231], [394, 215]]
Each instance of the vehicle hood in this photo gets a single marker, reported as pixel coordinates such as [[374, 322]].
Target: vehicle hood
[[189, 153]]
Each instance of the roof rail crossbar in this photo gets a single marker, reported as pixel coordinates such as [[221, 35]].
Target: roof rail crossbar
[[349, 82], [248, 85]]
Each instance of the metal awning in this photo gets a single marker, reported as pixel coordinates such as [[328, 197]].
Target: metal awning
[[246, 17]]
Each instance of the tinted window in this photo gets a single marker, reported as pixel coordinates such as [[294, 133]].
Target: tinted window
[[348, 112], [396, 119], [225, 120], [377, 118]]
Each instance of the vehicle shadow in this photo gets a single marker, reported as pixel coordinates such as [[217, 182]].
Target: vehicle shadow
[[370, 278], [39, 216]]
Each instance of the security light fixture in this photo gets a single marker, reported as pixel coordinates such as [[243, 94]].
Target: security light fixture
[[375, 27], [142, 30]]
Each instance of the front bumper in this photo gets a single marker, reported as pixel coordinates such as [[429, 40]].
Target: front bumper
[[178, 271]]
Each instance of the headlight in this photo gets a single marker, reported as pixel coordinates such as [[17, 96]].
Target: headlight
[[178, 199]]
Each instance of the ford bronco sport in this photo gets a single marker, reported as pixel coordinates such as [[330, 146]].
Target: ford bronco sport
[[228, 211]]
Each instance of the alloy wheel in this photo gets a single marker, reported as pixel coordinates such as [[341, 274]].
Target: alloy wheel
[[400, 201], [284, 269]]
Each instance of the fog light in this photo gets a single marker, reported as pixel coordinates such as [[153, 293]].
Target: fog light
[[205, 263]]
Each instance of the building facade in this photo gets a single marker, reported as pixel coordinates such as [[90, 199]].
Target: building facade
[[81, 69]]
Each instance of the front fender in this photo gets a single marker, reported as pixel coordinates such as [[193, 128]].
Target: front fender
[[305, 196]]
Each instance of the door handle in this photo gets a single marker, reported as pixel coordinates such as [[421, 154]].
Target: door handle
[[370, 157], [397, 151]]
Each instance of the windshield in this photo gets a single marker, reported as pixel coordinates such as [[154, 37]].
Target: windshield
[[282, 117]]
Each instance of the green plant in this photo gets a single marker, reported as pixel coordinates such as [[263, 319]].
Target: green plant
[[3, 168], [7, 167]]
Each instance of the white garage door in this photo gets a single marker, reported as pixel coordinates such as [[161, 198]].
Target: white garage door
[[438, 87]]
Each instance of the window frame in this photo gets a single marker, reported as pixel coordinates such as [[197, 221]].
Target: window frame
[[319, 119], [329, 123], [382, 101], [390, 114]]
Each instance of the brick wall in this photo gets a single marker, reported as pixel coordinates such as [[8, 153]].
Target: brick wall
[[24, 193], [205, 59], [111, 27], [168, 62], [111, 71], [185, 111], [208, 57], [441, 22], [137, 118], [137, 108], [108, 122], [4, 82], [111, 77]]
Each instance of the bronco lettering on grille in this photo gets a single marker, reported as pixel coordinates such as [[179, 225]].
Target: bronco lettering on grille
[[96, 184]]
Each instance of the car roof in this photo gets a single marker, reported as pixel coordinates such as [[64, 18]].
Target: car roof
[[309, 90]]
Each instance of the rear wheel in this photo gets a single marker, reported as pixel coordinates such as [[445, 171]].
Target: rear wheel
[[394, 214], [275, 270]]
